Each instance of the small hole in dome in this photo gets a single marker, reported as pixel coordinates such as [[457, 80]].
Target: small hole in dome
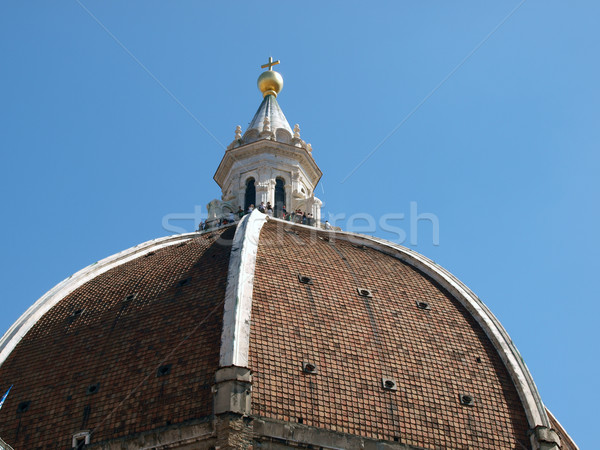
[[149, 254], [23, 406], [466, 399], [364, 292], [92, 388], [324, 238], [182, 244], [423, 305], [81, 439], [309, 367], [396, 439], [75, 315], [389, 384], [359, 246], [163, 370], [478, 359], [130, 297], [304, 279], [300, 420], [184, 282]]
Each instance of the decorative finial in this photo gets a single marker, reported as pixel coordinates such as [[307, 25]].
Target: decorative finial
[[238, 132], [267, 124], [309, 148], [297, 131], [270, 82]]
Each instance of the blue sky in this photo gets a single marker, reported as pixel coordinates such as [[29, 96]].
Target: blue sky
[[97, 149]]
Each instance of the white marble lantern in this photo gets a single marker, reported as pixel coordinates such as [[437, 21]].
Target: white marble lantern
[[268, 163]]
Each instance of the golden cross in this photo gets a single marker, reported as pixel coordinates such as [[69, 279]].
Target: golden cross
[[270, 64]]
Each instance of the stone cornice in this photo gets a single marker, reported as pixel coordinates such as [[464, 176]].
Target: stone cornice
[[302, 155]]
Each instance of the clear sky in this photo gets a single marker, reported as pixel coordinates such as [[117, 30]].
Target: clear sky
[[113, 114]]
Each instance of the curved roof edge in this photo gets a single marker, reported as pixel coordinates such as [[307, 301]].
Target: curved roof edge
[[30, 317], [528, 393], [235, 339]]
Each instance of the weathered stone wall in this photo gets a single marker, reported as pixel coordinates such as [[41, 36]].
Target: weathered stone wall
[[198, 435], [234, 431]]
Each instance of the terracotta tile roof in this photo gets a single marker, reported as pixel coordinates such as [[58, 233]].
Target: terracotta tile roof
[[343, 337], [434, 355], [113, 333]]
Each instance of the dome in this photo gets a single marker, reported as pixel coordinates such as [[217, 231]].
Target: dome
[[336, 339], [267, 331]]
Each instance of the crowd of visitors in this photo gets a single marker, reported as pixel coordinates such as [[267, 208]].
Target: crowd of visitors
[[296, 216]]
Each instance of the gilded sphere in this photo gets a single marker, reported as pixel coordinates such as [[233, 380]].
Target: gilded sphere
[[270, 82]]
